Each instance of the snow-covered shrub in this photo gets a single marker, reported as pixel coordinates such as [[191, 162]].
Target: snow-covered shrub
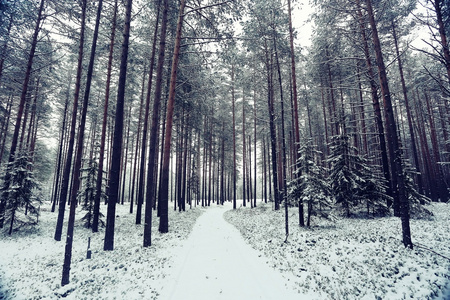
[[21, 206]]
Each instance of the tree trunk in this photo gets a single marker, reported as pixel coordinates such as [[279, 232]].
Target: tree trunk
[[295, 100], [395, 151], [273, 137], [118, 135], [15, 137], [79, 154], [164, 217], [69, 156], [99, 181], [376, 104], [233, 103], [408, 112], [66, 178]]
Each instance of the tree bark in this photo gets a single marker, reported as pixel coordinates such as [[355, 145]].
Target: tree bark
[[164, 217], [15, 137], [66, 178], [395, 151], [99, 181], [151, 178], [408, 112], [118, 135]]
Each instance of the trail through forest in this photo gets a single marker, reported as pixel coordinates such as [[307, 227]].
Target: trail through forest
[[216, 263]]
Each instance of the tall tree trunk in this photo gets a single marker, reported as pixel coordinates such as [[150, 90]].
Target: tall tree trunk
[[118, 135], [244, 168], [233, 103], [79, 154], [394, 149], [295, 100], [376, 103], [15, 137], [138, 139], [408, 112], [151, 167], [99, 181], [60, 149], [273, 137], [283, 147], [164, 217], [150, 192], [69, 156]]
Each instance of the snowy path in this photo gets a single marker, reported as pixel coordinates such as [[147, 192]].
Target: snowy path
[[216, 263]]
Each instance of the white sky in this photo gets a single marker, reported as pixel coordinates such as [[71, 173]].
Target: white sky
[[301, 11]]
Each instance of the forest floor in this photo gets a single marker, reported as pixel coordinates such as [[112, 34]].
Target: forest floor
[[355, 258], [204, 257]]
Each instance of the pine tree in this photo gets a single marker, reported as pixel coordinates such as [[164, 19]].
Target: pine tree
[[88, 192], [22, 204], [344, 178], [310, 185]]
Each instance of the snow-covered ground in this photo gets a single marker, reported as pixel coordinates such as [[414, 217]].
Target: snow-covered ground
[[216, 263], [31, 263], [353, 258], [346, 259]]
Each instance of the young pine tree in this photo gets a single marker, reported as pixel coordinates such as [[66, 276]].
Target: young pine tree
[[353, 181], [21, 205], [311, 186], [88, 191]]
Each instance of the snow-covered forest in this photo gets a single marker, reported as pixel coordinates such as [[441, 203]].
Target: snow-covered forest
[[224, 149]]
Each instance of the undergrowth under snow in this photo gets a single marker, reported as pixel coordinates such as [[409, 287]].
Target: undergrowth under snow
[[31, 261], [353, 258]]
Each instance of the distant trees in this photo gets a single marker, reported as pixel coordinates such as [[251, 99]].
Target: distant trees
[[192, 124]]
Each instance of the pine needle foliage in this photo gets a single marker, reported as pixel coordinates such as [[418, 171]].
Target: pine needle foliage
[[353, 181], [22, 204], [86, 195], [310, 184]]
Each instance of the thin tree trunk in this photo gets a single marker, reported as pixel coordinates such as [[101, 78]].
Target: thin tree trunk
[[395, 151], [295, 100], [79, 154], [154, 133], [99, 181], [118, 135], [376, 104], [408, 112], [233, 103], [15, 138], [273, 137], [69, 156]]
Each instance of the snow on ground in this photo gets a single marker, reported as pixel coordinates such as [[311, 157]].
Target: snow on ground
[[216, 263], [345, 259], [353, 258], [31, 262]]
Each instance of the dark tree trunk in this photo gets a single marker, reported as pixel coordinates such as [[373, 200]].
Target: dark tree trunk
[[69, 155], [99, 181], [164, 217], [295, 100], [395, 151], [15, 137], [233, 103], [118, 135], [273, 137], [376, 104], [79, 154], [66, 178], [151, 178]]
